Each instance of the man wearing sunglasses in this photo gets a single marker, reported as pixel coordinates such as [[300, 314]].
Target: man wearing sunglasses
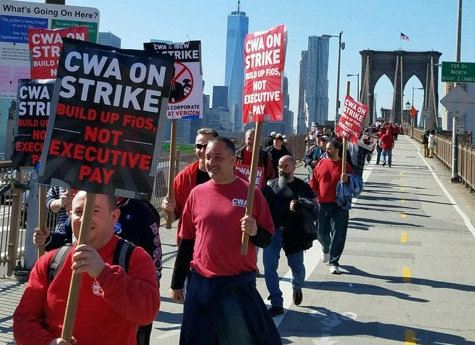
[[193, 175]]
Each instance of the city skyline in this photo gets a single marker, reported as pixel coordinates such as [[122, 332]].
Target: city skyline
[[313, 88], [366, 25], [236, 31]]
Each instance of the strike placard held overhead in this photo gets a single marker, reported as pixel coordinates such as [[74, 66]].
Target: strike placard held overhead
[[264, 60], [103, 134], [351, 120], [33, 111], [186, 93], [45, 46]]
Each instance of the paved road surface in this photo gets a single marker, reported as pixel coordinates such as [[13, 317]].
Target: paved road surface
[[408, 267]]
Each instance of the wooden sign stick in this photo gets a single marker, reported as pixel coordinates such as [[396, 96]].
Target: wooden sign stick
[[252, 183], [73, 295], [171, 170]]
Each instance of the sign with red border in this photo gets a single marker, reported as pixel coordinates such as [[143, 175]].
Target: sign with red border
[[264, 60], [349, 125]]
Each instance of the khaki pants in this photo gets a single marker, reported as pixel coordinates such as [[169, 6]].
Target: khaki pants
[[426, 150]]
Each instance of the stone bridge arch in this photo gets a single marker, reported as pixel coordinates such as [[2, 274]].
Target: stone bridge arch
[[400, 66]]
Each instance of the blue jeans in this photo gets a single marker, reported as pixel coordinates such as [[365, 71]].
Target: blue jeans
[[271, 258], [390, 156], [332, 228], [231, 326], [378, 153]]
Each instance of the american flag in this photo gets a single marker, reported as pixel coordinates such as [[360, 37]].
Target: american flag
[[404, 37]]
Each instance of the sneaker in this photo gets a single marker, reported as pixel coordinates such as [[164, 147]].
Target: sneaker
[[384, 163], [276, 311], [325, 257], [334, 269], [297, 297]]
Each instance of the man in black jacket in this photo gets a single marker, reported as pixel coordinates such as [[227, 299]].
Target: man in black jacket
[[290, 201]]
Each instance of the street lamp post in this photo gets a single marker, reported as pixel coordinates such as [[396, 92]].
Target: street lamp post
[[455, 175], [357, 75], [408, 114], [341, 46]]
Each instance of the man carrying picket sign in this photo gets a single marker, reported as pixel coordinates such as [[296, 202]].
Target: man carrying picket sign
[[138, 223], [112, 301], [222, 301]]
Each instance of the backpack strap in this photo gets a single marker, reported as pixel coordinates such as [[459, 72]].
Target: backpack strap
[[57, 261], [123, 251]]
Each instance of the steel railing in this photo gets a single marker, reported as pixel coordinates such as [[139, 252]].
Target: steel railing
[[443, 152]]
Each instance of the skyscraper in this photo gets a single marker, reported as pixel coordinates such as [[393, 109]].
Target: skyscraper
[[109, 39], [314, 81], [238, 27], [220, 97]]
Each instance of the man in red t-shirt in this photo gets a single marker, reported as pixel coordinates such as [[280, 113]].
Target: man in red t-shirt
[[387, 144], [193, 175], [221, 294], [112, 301], [332, 219]]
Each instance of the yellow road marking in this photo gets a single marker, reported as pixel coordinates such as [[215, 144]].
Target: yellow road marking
[[403, 200], [403, 189], [403, 215], [400, 173], [404, 237], [406, 274], [402, 180], [410, 338]]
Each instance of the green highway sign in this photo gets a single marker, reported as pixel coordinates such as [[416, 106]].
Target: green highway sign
[[458, 72], [180, 147]]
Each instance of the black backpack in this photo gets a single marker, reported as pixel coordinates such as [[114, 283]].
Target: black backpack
[[123, 251]]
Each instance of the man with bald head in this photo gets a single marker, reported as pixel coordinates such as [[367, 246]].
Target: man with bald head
[[289, 198], [112, 302]]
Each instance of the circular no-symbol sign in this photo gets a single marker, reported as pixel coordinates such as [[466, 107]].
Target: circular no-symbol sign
[[182, 83]]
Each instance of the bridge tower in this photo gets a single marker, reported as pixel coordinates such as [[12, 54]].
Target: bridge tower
[[400, 66]]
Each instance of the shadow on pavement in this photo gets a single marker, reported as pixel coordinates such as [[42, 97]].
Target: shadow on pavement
[[361, 289], [415, 281], [332, 324]]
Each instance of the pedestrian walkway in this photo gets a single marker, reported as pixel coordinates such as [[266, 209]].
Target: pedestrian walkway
[[407, 277]]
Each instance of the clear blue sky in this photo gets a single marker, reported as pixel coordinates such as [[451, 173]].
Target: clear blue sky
[[366, 24]]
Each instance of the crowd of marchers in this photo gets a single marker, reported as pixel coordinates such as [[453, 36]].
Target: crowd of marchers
[[119, 293]]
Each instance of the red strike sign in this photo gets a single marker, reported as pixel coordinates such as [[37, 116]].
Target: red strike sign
[[45, 46], [349, 126], [264, 59]]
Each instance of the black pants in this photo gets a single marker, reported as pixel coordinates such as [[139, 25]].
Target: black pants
[[143, 334]]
